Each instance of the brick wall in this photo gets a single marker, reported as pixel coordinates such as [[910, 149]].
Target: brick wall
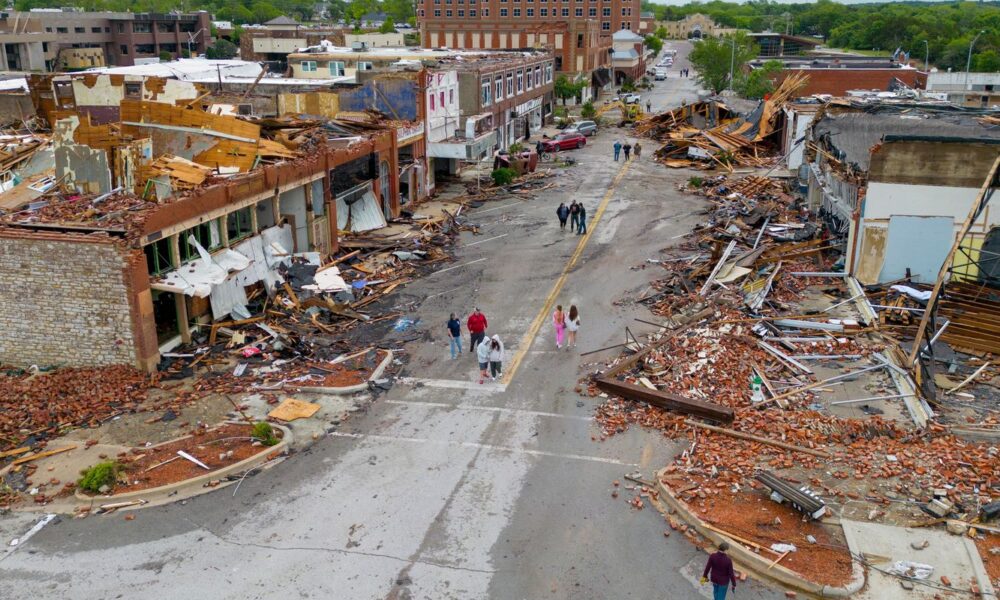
[[64, 300], [837, 82]]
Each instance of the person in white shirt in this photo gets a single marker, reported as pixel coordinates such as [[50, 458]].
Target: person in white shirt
[[572, 326], [496, 357], [483, 355]]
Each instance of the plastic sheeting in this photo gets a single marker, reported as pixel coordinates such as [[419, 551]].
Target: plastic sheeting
[[200, 276]]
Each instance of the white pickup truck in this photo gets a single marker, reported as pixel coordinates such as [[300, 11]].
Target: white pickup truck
[[660, 74]]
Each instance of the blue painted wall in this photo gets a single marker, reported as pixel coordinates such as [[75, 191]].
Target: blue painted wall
[[397, 98]]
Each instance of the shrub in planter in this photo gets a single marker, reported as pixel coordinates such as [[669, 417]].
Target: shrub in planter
[[96, 477]]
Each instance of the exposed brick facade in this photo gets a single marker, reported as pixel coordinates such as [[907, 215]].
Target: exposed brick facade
[[65, 300], [837, 82]]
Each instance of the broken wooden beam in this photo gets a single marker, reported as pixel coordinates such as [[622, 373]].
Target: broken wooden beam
[[667, 401], [757, 438]]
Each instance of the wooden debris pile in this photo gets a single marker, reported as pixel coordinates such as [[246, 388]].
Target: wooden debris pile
[[755, 322], [707, 134]]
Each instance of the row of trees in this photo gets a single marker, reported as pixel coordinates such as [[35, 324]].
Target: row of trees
[[717, 59], [252, 11], [947, 27]]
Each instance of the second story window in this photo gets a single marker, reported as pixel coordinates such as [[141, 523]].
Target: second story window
[[520, 81], [498, 87], [503, 12], [517, 12], [510, 84], [337, 67], [486, 88], [308, 66], [578, 12], [531, 12]]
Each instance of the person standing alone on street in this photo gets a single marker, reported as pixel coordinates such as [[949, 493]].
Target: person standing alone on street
[[563, 213], [559, 322], [649, 106], [455, 336], [582, 216], [483, 357], [574, 216], [638, 150], [720, 571], [477, 328], [628, 150], [618, 149], [496, 357], [572, 326]]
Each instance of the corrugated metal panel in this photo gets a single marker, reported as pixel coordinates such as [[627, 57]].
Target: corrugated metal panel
[[366, 214]]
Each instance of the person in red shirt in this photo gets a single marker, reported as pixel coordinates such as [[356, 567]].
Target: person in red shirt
[[477, 328], [720, 570]]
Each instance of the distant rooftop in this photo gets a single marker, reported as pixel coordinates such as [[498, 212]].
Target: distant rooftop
[[282, 20], [188, 69]]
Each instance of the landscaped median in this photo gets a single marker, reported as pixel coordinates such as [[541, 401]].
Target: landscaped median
[[190, 465], [819, 565]]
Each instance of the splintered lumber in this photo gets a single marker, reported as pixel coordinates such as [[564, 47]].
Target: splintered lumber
[[667, 401], [32, 457], [757, 438], [969, 378], [638, 356], [801, 499], [15, 451]]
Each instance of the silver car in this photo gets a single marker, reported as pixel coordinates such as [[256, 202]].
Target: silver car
[[587, 128]]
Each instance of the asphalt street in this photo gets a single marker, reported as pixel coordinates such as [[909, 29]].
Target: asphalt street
[[445, 488]]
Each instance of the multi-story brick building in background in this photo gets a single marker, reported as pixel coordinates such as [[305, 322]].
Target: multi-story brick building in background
[[66, 39], [578, 32]]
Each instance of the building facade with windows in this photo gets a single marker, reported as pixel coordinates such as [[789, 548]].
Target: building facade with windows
[[42, 39], [324, 62], [577, 32]]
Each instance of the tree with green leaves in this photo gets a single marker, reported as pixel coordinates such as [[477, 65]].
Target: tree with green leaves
[[564, 88], [401, 11], [388, 26], [264, 12], [221, 49], [757, 83], [357, 9], [653, 43], [714, 58], [661, 32]]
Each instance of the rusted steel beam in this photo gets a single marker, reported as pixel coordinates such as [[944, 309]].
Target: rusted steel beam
[[666, 401]]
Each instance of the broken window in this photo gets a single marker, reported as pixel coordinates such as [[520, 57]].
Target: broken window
[[123, 49], [362, 66], [158, 259], [239, 224], [486, 98], [133, 89], [141, 28], [206, 234]]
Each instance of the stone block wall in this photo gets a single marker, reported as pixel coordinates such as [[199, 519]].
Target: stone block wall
[[64, 300]]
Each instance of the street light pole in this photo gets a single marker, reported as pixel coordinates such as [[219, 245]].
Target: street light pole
[[968, 62], [927, 56], [191, 38]]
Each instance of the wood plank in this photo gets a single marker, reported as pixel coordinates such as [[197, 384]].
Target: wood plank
[[45, 454], [667, 401]]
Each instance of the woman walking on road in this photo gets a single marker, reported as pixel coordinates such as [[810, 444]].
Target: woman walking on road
[[572, 326], [559, 322], [638, 150], [563, 213], [496, 357], [483, 355]]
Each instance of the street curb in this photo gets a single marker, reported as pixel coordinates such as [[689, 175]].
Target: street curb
[[761, 567], [349, 389], [173, 492]]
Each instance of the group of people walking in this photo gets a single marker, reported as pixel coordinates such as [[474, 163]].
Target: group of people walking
[[577, 215], [489, 350], [685, 73], [627, 148]]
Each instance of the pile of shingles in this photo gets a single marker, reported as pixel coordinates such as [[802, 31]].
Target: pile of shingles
[[707, 134], [42, 405], [114, 211]]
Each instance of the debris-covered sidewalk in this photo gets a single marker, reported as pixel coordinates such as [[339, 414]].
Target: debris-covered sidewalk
[[791, 382]]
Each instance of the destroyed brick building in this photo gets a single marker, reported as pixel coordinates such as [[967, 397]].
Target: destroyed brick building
[[157, 216]]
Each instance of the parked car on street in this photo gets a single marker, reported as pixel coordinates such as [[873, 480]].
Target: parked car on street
[[587, 128], [565, 141], [631, 98], [660, 74]]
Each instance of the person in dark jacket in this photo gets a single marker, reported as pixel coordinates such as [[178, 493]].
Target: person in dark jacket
[[574, 216], [720, 571], [628, 150], [477, 325], [563, 213], [582, 216], [454, 336]]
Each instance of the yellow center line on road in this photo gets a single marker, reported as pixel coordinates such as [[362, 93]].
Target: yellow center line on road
[[550, 300]]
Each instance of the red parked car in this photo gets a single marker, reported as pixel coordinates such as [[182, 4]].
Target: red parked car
[[564, 141]]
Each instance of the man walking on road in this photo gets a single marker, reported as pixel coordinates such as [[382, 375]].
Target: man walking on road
[[618, 149], [583, 220], [722, 574], [477, 328], [574, 216], [627, 148], [649, 106], [455, 336]]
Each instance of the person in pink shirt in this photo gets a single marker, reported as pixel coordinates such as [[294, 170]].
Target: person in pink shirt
[[559, 322]]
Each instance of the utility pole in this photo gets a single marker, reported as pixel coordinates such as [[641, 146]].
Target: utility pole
[[927, 57], [732, 61], [968, 62]]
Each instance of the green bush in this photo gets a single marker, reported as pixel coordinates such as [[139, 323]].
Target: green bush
[[587, 111], [515, 147], [695, 182], [503, 176], [264, 433], [99, 475]]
